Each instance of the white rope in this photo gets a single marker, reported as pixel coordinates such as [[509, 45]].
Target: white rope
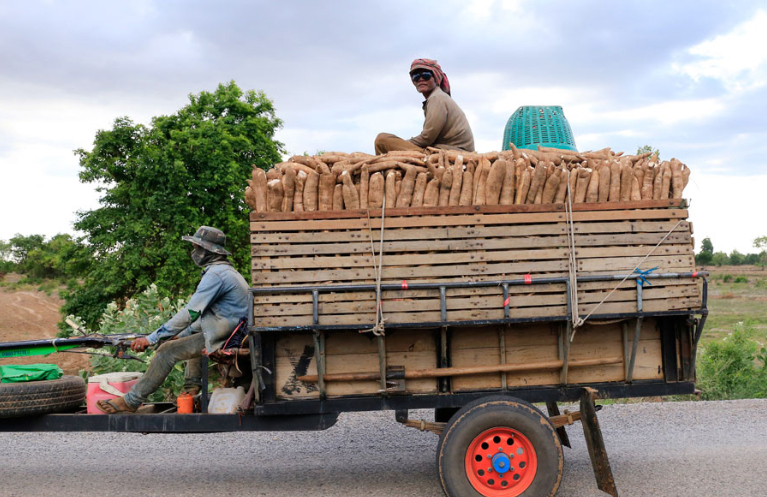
[[379, 329], [572, 266]]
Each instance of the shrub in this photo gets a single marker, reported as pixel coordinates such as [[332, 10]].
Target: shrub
[[727, 278], [741, 279], [735, 367], [142, 314]]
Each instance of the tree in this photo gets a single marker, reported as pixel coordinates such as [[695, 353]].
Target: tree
[[163, 181], [720, 259], [761, 243], [736, 258], [703, 258], [707, 246], [648, 149]]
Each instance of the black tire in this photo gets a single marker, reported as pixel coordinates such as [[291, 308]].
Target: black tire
[[41, 397], [499, 412]]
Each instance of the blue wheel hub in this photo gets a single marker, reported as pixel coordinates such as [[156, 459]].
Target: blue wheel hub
[[501, 463]]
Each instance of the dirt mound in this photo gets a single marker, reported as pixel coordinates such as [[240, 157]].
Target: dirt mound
[[32, 315]]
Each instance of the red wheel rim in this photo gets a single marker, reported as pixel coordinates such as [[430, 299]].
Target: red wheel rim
[[501, 462]]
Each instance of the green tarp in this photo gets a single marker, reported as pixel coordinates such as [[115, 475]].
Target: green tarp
[[16, 373]]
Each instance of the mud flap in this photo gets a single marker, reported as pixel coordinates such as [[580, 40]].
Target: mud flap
[[596, 444]]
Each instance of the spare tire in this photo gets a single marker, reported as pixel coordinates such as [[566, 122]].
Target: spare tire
[[41, 397]]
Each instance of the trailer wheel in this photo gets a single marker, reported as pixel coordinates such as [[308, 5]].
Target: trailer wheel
[[41, 397], [499, 447]]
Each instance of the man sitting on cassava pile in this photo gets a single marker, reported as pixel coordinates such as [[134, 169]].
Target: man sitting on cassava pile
[[445, 125], [219, 303]]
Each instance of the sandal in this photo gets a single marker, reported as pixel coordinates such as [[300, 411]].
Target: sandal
[[114, 406]]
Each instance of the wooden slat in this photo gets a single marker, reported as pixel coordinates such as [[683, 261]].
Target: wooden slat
[[397, 234], [425, 211], [467, 220]]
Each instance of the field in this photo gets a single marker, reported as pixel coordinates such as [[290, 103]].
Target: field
[[29, 314], [736, 294]]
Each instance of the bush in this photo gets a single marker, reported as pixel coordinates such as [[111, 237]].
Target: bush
[[727, 278], [142, 314], [741, 279], [734, 368]]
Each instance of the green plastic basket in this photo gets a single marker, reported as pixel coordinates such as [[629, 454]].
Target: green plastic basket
[[532, 125]]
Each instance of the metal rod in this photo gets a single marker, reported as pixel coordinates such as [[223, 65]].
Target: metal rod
[[443, 382], [382, 363], [506, 311], [478, 322], [467, 371], [463, 284], [566, 363], [634, 349], [319, 354]]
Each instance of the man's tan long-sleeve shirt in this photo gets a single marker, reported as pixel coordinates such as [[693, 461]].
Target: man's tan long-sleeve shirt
[[445, 125]]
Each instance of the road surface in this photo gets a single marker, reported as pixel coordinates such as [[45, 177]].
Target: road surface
[[656, 449]]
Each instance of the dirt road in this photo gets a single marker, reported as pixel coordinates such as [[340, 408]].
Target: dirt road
[[30, 315]]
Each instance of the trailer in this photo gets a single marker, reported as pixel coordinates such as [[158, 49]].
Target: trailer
[[477, 313]]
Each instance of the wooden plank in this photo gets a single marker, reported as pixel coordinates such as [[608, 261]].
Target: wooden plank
[[505, 240], [537, 342], [455, 257], [363, 320], [477, 302], [394, 234], [350, 352], [422, 211], [409, 273], [271, 299], [464, 220]]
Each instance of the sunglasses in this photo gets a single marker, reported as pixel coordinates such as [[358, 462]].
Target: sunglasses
[[424, 75]]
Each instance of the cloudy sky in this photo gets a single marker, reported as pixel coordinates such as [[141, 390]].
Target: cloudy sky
[[687, 77]]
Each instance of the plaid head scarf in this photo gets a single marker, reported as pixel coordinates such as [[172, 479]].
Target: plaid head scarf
[[432, 66]]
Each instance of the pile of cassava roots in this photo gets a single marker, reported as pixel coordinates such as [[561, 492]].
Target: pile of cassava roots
[[336, 181]]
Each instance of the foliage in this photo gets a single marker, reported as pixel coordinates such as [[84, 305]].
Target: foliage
[[703, 258], [734, 367], [6, 264], [761, 242], [144, 313], [720, 259], [648, 148], [164, 181], [741, 279], [61, 257], [707, 246]]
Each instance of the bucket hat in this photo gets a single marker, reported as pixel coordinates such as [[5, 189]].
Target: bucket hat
[[211, 239]]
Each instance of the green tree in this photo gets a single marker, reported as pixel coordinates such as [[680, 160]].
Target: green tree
[[707, 246], [720, 259], [22, 245], [163, 181], [761, 243], [736, 258], [6, 251], [648, 149], [703, 258]]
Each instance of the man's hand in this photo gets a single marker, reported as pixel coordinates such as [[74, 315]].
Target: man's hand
[[140, 344]]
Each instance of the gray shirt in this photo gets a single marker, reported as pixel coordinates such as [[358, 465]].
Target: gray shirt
[[445, 125]]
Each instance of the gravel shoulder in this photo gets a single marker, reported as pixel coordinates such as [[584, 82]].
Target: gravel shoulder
[[656, 449]]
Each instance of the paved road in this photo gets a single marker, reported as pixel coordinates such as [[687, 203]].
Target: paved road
[[656, 449]]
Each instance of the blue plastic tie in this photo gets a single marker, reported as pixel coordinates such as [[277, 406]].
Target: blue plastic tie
[[642, 280]]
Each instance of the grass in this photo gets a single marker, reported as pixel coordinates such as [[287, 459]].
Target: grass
[[735, 297]]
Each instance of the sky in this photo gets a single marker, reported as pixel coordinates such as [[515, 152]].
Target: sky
[[686, 77]]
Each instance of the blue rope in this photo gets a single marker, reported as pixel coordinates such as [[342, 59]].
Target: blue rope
[[642, 280]]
